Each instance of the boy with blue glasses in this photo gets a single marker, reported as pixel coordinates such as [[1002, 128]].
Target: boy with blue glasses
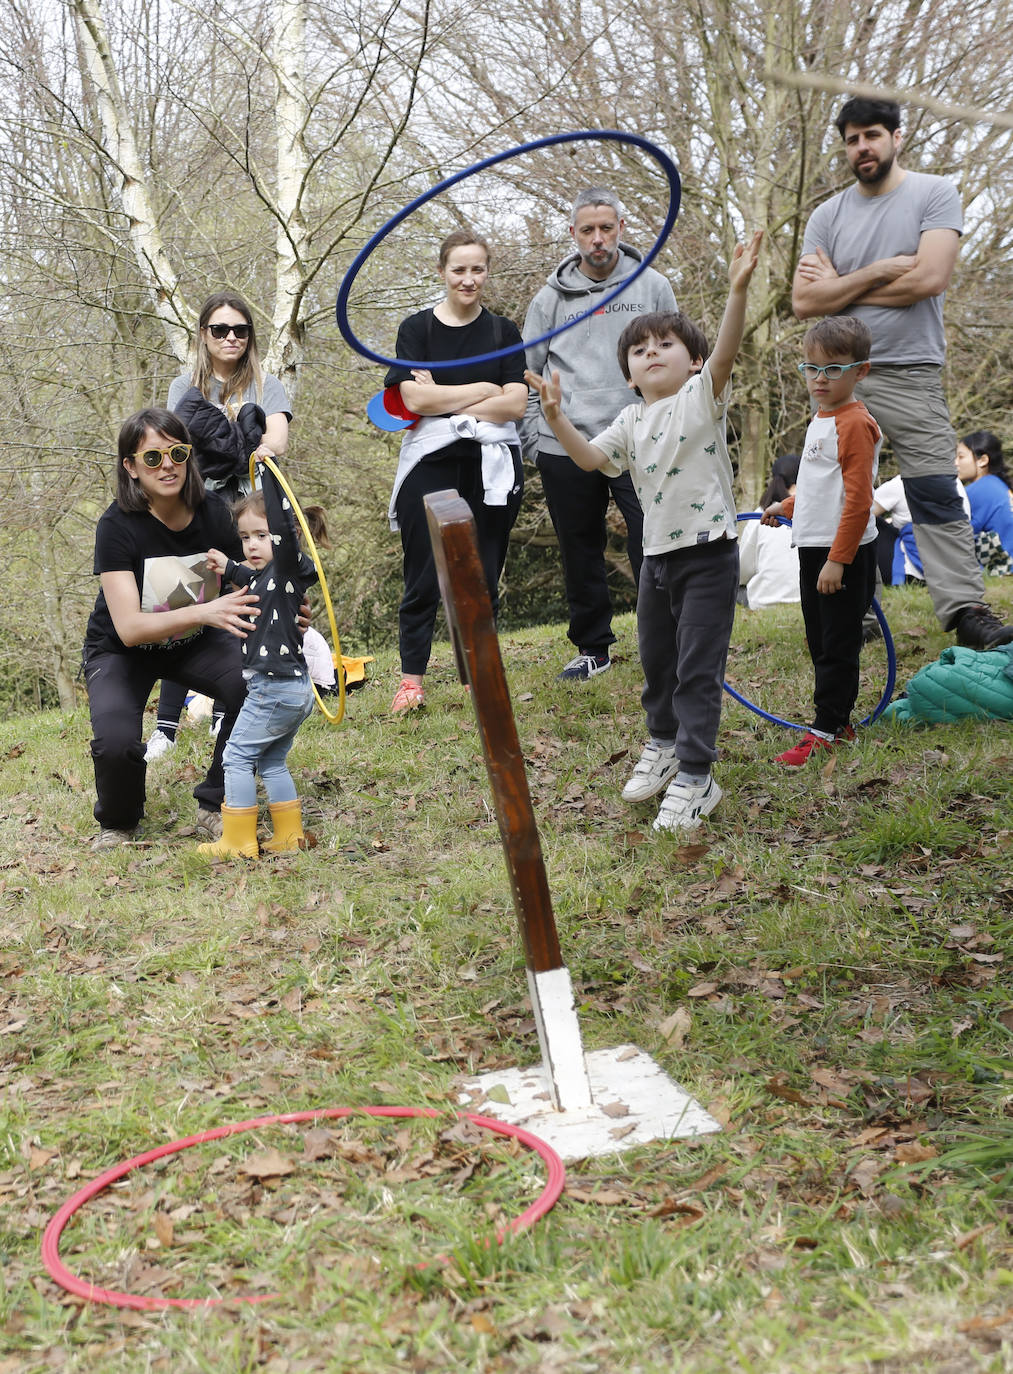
[[833, 527]]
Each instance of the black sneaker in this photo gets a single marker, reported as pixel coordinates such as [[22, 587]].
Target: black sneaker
[[586, 666], [978, 627]]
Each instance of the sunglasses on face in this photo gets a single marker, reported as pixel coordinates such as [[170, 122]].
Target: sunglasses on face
[[222, 331], [152, 457]]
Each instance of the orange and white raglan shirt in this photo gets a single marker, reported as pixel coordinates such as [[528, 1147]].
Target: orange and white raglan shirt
[[832, 505]]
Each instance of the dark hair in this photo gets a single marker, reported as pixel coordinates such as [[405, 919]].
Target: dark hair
[[984, 444], [315, 517], [129, 496], [783, 474], [247, 370], [862, 112], [661, 323], [840, 334], [462, 238], [316, 520]]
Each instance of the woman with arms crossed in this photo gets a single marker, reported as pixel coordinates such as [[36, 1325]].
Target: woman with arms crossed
[[466, 439]]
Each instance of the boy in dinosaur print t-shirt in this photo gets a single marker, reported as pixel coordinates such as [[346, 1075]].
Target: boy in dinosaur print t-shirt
[[673, 443]]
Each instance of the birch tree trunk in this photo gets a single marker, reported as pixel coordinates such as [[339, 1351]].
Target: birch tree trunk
[[125, 166], [292, 114]]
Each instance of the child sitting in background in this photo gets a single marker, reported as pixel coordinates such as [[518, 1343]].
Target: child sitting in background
[[279, 692], [768, 565], [982, 469], [833, 527]]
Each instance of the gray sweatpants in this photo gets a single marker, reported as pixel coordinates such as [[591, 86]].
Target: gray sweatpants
[[909, 407], [685, 612]]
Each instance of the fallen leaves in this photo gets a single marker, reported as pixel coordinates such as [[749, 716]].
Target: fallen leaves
[[267, 1164], [675, 1028]]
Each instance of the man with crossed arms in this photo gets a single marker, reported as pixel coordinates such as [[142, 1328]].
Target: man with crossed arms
[[915, 218]]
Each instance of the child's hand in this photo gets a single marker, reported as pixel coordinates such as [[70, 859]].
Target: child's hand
[[743, 263], [216, 561], [550, 393], [769, 516], [422, 376], [831, 578]]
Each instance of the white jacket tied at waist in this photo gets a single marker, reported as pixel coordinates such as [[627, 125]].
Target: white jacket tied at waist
[[434, 432]]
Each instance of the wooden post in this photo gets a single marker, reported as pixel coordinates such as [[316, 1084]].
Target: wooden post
[[469, 616]]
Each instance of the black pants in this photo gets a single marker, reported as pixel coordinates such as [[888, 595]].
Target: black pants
[[685, 614], [577, 502], [421, 599], [119, 685], [833, 631]]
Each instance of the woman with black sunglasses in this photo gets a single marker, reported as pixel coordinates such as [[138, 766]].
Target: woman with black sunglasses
[[230, 406], [231, 409], [158, 615]]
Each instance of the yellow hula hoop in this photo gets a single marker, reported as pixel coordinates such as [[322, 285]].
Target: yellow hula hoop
[[333, 716]]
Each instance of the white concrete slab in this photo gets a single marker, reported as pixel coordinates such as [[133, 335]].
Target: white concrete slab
[[634, 1102]]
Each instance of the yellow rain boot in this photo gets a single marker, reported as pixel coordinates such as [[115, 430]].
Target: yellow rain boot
[[239, 835], [288, 834]]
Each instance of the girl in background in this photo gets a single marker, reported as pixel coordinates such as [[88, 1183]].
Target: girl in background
[[982, 469]]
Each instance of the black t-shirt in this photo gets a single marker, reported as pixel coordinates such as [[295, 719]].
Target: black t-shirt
[[169, 566], [424, 336], [274, 645]]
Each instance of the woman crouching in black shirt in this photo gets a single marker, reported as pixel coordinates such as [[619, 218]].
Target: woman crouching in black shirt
[[158, 615]]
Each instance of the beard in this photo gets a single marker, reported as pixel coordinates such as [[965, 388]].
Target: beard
[[877, 172]]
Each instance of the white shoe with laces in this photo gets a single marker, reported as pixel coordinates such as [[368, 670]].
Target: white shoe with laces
[[686, 803], [655, 770], [158, 745]]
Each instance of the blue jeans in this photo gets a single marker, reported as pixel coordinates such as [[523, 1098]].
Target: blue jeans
[[265, 731]]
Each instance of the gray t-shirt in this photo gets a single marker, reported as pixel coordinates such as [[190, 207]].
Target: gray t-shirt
[[274, 400], [854, 229]]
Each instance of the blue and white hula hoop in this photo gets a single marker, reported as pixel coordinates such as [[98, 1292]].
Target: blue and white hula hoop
[[602, 135], [891, 663]]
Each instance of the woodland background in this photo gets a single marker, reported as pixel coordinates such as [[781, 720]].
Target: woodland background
[[151, 154]]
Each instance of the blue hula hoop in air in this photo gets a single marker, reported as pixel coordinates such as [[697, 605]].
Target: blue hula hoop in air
[[891, 663], [602, 135]]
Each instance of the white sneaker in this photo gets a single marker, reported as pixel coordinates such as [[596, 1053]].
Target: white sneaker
[[158, 745], [655, 770], [686, 804]]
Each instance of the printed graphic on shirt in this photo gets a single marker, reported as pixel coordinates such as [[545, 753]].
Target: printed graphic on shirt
[[172, 582]]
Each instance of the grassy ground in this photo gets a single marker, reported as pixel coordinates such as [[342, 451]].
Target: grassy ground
[[824, 966]]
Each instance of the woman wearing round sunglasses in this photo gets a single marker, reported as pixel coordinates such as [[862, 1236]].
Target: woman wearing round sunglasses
[[158, 615], [231, 409]]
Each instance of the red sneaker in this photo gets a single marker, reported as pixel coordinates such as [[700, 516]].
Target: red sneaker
[[800, 753], [408, 697]]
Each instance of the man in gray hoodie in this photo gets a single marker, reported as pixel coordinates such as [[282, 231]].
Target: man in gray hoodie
[[594, 391]]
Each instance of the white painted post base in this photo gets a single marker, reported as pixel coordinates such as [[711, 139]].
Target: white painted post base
[[584, 1105], [563, 1063], [633, 1102]]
